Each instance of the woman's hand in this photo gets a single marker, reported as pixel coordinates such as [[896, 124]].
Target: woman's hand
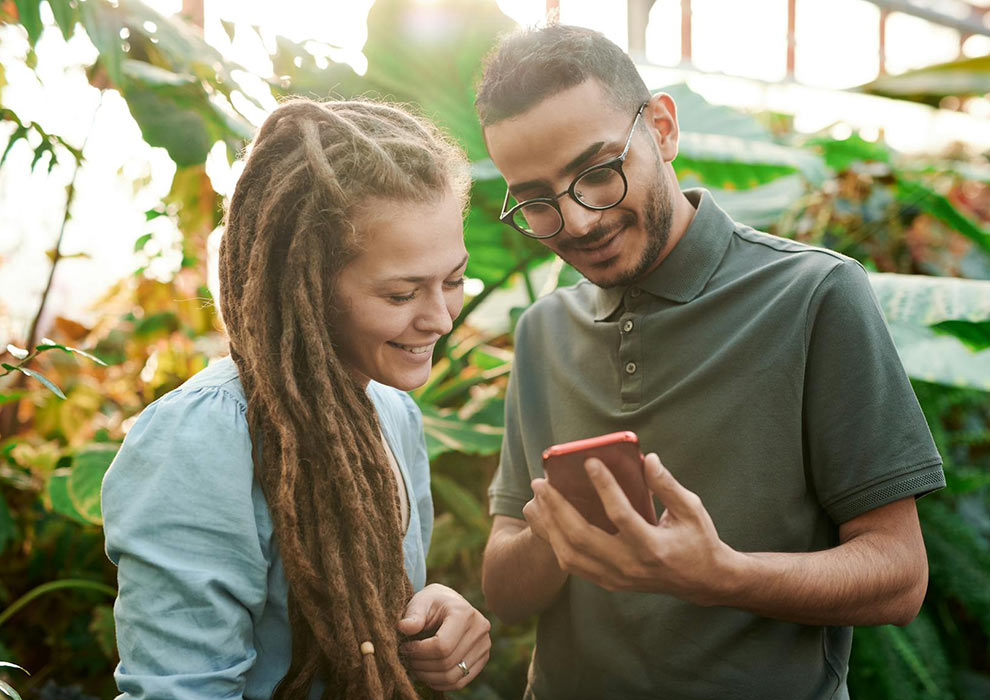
[[460, 644]]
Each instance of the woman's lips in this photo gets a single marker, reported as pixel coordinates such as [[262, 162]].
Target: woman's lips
[[414, 350]]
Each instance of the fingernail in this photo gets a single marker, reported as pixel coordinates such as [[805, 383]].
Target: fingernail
[[592, 467]]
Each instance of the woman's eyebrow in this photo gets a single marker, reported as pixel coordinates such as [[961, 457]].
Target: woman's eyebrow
[[417, 279]]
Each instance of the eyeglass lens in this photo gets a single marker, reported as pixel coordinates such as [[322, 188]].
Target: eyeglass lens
[[598, 188]]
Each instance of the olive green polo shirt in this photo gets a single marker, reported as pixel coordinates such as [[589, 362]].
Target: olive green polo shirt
[[762, 373]]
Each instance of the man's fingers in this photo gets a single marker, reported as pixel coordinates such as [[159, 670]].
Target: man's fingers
[[675, 498], [576, 543], [617, 506]]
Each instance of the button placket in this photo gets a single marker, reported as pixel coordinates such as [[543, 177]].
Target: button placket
[[630, 354]]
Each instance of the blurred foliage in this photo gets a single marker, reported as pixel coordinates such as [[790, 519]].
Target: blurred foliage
[[967, 77], [920, 224]]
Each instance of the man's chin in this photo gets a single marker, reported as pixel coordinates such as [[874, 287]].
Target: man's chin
[[609, 273]]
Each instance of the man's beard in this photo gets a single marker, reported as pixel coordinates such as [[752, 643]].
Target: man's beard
[[657, 217]]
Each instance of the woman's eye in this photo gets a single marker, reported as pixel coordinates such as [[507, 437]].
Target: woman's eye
[[453, 284], [400, 298]]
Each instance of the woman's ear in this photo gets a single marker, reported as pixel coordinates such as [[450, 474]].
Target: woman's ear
[[661, 119]]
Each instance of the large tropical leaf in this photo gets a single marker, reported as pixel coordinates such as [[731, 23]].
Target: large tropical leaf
[[445, 432], [918, 308], [88, 468], [431, 54], [176, 85], [969, 76], [727, 149]]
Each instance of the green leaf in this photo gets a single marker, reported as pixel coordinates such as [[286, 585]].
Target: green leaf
[[65, 16], [840, 154], [7, 664], [447, 433], [49, 384], [759, 206], [938, 206], [730, 162], [943, 359], [924, 301], [725, 148], [161, 323], [103, 629], [8, 691], [11, 398], [103, 23], [969, 76], [88, 468], [459, 501], [228, 27], [58, 494], [8, 528], [88, 356], [20, 133], [169, 117], [975, 335], [29, 15]]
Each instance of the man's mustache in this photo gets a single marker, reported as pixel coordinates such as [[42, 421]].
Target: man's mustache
[[595, 236]]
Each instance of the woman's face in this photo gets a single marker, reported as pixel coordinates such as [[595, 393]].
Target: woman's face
[[403, 291]]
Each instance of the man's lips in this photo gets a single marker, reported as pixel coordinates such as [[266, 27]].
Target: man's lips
[[601, 250]]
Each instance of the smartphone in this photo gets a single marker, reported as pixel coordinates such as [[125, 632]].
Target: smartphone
[[564, 468]]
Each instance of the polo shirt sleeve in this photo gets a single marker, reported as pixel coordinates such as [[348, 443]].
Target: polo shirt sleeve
[[180, 524], [510, 488], [867, 442]]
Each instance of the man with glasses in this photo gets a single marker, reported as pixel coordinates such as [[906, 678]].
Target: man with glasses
[[759, 370]]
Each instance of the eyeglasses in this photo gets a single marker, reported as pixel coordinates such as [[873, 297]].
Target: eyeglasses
[[599, 187]]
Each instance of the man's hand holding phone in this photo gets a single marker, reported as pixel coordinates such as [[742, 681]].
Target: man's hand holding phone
[[680, 555]]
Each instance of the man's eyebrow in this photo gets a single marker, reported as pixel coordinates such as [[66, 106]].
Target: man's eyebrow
[[573, 166], [417, 279]]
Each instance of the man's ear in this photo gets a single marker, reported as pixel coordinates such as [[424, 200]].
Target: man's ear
[[661, 119]]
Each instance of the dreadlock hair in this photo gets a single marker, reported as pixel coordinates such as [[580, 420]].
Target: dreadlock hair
[[290, 230], [532, 64]]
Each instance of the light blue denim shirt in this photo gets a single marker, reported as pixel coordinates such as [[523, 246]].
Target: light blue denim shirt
[[201, 610]]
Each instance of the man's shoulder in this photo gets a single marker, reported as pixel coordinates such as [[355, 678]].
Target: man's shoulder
[[766, 246]]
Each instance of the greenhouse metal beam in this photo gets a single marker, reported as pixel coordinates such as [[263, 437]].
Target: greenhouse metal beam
[[972, 25]]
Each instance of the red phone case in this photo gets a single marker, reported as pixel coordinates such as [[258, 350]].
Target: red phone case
[[564, 467]]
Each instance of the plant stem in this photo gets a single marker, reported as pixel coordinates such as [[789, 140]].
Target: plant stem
[[54, 586], [9, 423], [441, 346]]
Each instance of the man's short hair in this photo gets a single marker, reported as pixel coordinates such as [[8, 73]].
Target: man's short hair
[[530, 65]]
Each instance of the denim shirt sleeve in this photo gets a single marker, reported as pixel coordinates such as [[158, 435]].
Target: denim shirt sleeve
[[182, 527], [419, 467]]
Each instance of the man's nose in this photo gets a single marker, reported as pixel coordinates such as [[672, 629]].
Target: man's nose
[[578, 219]]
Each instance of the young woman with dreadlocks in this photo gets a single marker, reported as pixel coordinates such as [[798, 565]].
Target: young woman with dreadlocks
[[269, 518]]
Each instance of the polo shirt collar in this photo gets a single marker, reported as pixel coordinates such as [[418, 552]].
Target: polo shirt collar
[[686, 270]]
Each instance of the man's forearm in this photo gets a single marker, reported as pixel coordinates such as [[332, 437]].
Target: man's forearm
[[863, 581], [520, 576]]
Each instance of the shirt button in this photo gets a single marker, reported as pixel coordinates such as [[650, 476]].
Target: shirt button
[[630, 368], [635, 292], [627, 326]]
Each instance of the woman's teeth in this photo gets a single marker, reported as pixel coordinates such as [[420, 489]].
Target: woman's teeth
[[414, 349]]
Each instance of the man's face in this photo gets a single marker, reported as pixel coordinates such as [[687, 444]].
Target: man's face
[[540, 152]]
